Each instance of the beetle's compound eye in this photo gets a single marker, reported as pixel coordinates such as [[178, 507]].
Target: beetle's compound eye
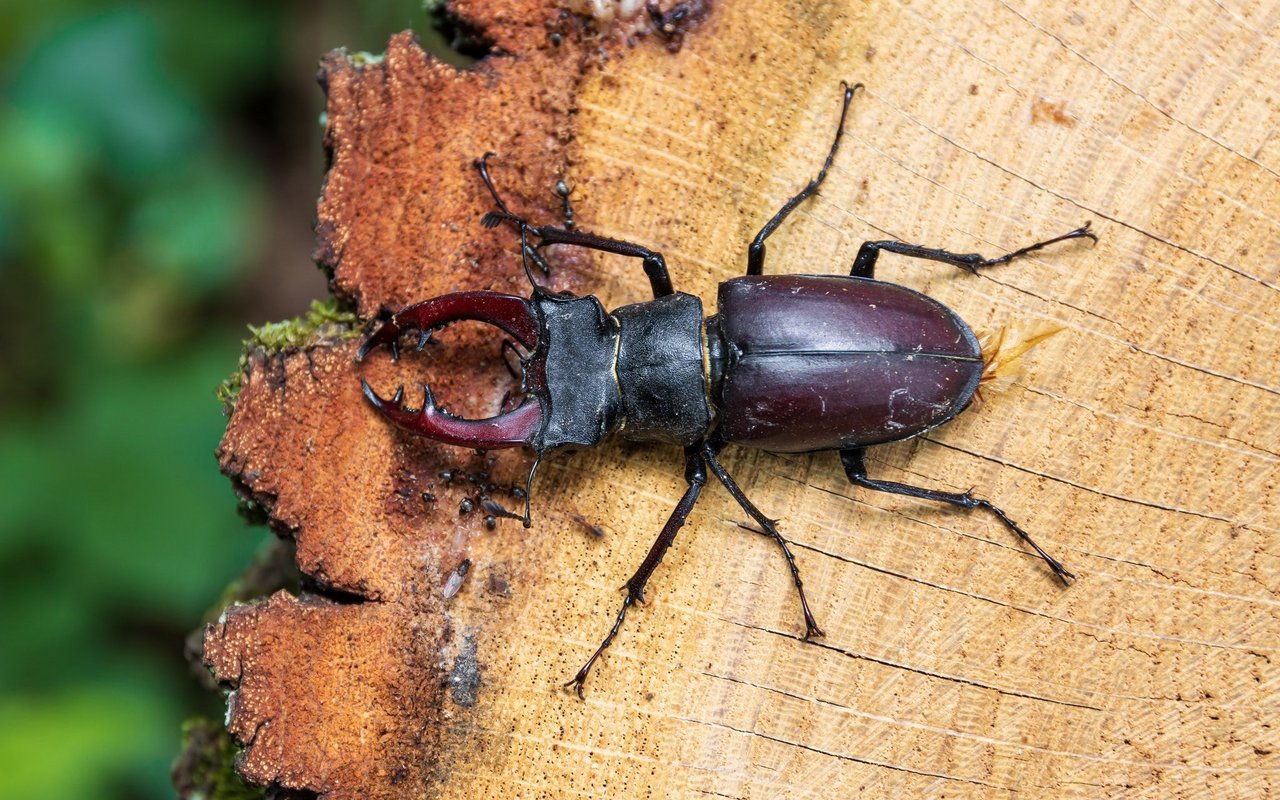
[[513, 315]]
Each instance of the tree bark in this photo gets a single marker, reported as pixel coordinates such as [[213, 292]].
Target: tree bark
[[1139, 446]]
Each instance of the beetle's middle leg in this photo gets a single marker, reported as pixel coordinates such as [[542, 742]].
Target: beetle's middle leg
[[864, 264], [811, 628], [696, 474], [855, 467], [755, 253]]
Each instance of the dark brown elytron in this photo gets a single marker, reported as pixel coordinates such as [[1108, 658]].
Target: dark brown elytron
[[790, 363]]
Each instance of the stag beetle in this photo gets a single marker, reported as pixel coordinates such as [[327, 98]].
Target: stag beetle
[[791, 364]]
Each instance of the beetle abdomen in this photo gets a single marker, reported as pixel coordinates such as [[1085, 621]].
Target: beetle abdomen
[[818, 362]]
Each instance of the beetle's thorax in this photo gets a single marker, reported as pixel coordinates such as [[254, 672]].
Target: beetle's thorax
[[638, 372]]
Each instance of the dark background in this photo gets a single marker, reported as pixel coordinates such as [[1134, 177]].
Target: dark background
[[159, 165]]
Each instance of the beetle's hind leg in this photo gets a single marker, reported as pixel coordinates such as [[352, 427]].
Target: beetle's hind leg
[[864, 264], [755, 253], [811, 628], [696, 474], [855, 467]]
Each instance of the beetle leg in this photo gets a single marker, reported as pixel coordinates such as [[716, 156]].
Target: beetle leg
[[696, 474], [491, 220], [755, 253], [855, 467], [864, 264], [811, 628], [655, 266]]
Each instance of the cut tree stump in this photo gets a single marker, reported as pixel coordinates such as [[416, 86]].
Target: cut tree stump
[[1140, 445]]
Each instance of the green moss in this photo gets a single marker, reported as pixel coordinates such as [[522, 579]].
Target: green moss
[[324, 321], [205, 770], [363, 59]]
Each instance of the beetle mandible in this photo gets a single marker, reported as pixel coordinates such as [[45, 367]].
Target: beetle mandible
[[791, 364]]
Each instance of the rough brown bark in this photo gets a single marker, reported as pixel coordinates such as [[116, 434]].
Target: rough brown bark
[[1140, 447]]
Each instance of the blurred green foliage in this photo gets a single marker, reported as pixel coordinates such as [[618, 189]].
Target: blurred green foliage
[[139, 175]]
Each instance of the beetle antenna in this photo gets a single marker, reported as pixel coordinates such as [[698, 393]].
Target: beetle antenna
[[527, 250], [493, 218], [482, 164], [509, 347], [528, 489]]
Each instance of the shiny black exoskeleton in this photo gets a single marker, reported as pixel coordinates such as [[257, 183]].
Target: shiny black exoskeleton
[[791, 363]]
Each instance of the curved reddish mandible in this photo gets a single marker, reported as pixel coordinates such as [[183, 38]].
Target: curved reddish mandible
[[513, 315]]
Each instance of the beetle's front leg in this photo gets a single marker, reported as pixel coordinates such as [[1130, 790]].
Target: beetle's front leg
[[864, 264], [655, 266], [856, 469], [696, 474]]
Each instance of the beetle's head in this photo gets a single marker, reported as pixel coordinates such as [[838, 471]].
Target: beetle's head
[[514, 316]]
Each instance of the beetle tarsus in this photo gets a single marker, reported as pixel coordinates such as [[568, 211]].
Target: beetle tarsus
[[497, 509], [1082, 232], [528, 490], [1064, 575], [564, 191], [580, 679]]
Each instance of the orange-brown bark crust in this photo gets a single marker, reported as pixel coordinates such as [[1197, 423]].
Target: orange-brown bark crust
[[346, 690], [1138, 446]]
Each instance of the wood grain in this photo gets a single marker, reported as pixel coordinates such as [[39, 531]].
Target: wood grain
[[1140, 446]]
